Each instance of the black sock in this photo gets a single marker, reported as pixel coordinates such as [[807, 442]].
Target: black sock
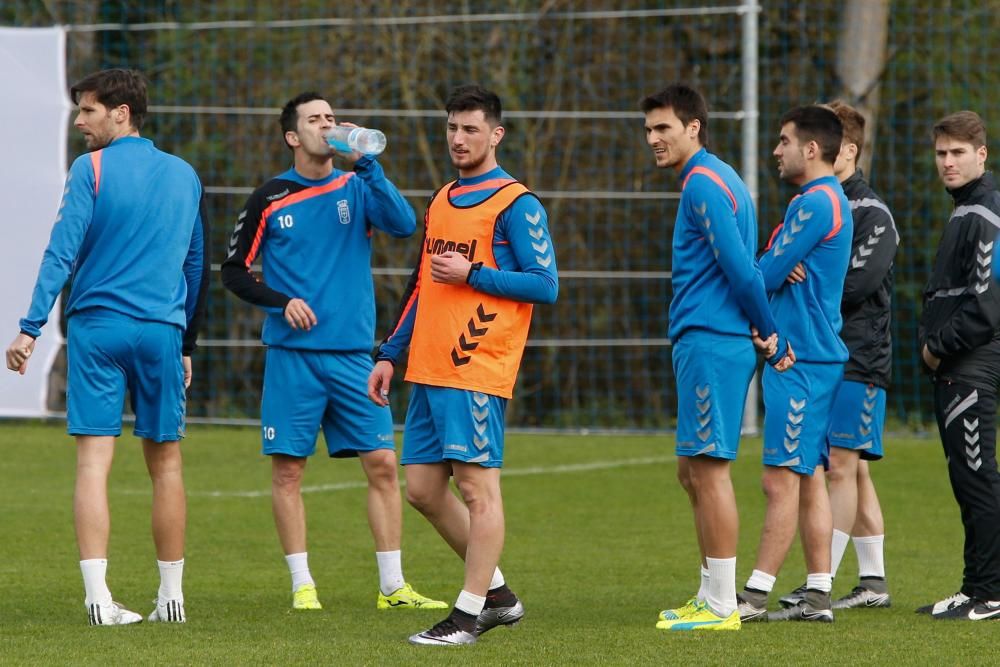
[[464, 620], [501, 596]]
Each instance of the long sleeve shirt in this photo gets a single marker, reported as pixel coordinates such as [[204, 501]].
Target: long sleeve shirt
[[526, 264], [132, 235], [867, 302], [314, 241], [717, 284], [960, 323], [817, 231]]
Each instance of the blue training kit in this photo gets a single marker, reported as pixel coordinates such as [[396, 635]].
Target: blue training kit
[[126, 253], [858, 418], [816, 232], [446, 424], [314, 241], [717, 284]]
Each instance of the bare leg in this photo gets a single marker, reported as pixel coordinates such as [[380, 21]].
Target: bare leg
[[716, 510], [815, 523], [781, 487], [844, 491], [385, 507], [286, 501], [164, 463], [480, 489], [684, 477], [94, 454], [869, 520], [428, 491]]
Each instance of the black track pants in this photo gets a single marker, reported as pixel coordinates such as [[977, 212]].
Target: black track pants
[[966, 419]]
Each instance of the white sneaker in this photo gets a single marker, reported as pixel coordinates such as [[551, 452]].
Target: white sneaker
[[168, 611], [111, 614]]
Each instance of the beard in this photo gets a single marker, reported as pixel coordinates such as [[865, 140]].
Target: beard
[[469, 162]]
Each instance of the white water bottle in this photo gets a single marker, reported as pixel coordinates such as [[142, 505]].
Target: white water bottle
[[360, 139]]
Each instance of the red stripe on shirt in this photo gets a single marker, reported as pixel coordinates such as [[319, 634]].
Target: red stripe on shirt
[[301, 195], [95, 161], [309, 193], [410, 303], [485, 185], [255, 246], [774, 235], [705, 171], [838, 220]]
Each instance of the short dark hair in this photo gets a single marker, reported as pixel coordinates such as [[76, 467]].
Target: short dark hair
[[964, 126], [471, 97], [113, 88], [818, 123], [687, 103], [853, 123], [290, 112]]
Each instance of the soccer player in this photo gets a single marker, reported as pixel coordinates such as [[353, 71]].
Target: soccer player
[[960, 344], [816, 233], [486, 258], [718, 296], [132, 234], [855, 435], [312, 227]]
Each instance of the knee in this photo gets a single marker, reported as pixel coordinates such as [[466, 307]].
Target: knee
[[424, 498], [863, 476], [844, 466], [709, 476], [836, 474], [478, 497], [776, 485], [684, 477], [287, 477], [380, 469]]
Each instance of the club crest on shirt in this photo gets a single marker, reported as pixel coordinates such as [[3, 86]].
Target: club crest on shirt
[[344, 211]]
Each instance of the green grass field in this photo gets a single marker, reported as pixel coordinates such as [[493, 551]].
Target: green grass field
[[599, 539]]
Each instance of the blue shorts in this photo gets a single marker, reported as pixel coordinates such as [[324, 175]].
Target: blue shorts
[[713, 372], [305, 390], [797, 405], [108, 353], [453, 424], [858, 418]]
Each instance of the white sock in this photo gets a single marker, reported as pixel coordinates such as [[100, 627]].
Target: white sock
[[497, 581], [298, 566], [871, 557], [761, 581], [94, 583], [703, 586], [819, 581], [171, 576], [390, 571], [837, 548], [470, 603], [721, 596]]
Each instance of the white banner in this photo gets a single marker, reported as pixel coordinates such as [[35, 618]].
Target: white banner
[[33, 168]]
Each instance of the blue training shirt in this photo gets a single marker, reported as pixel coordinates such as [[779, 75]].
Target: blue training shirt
[[524, 254], [314, 241], [131, 233], [817, 232], [717, 284]]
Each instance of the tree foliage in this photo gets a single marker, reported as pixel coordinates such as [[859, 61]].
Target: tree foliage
[[571, 81]]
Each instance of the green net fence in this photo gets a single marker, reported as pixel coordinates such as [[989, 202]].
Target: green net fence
[[570, 75]]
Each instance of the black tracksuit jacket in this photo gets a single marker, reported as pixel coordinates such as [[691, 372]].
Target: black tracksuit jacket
[[960, 323], [867, 302]]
